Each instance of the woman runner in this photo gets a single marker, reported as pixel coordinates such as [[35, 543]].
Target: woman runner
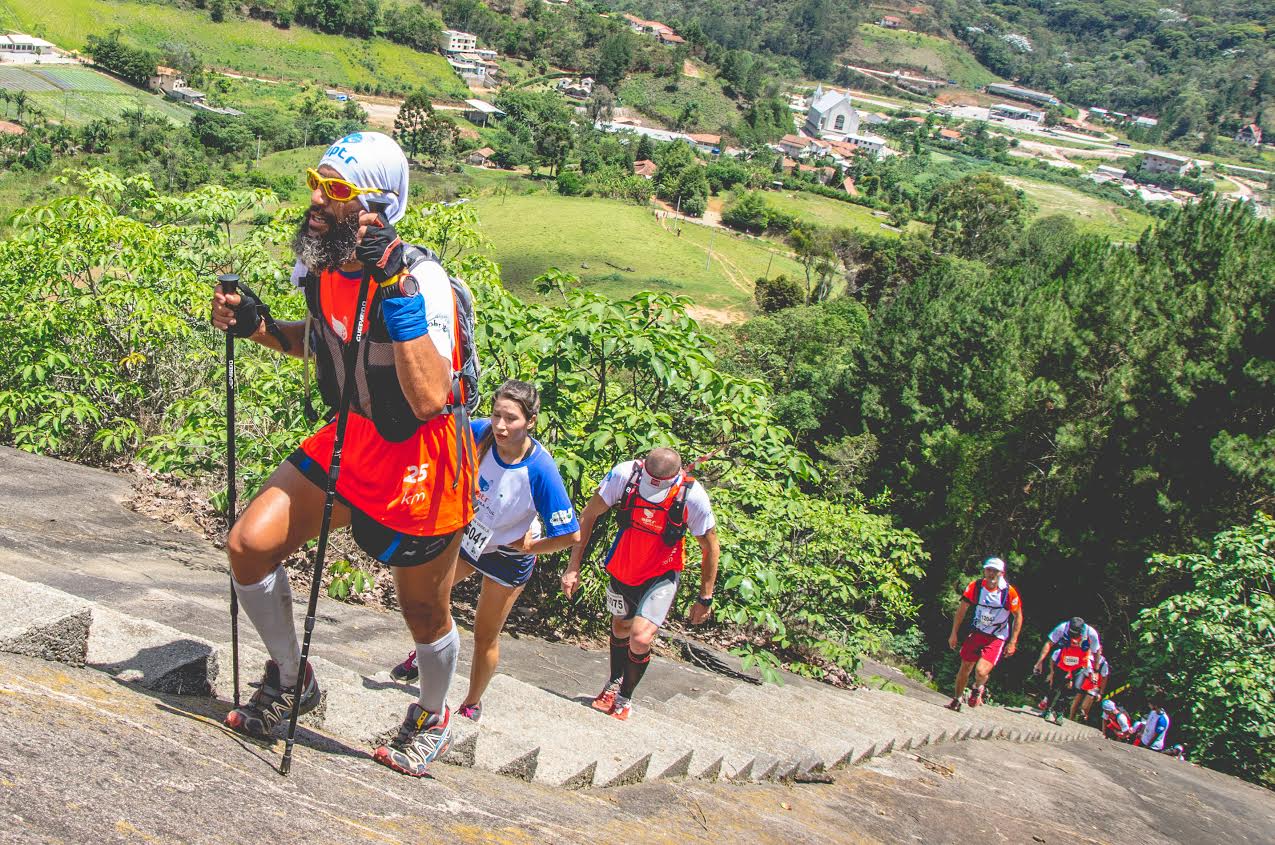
[[517, 482]]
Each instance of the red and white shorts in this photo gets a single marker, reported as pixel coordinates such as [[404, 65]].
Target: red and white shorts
[[980, 646]]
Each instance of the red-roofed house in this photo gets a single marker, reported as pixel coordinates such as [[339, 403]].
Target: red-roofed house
[[890, 22], [481, 157], [796, 145], [706, 142], [1251, 135], [847, 185], [951, 135], [645, 168]]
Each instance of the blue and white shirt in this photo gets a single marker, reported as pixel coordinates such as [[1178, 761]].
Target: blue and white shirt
[[510, 497], [1154, 730]]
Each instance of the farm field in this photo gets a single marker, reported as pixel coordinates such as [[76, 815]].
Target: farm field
[[246, 46], [79, 94], [1090, 213], [626, 249], [894, 48]]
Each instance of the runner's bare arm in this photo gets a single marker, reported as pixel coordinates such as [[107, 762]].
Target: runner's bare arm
[[549, 545], [588, 518], [223, 317], [710, 552], [424, 375], [1012, 645], [961, 609]]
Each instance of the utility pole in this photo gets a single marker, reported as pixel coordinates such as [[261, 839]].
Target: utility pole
[[768, 263], [709, 255], [258, 148]]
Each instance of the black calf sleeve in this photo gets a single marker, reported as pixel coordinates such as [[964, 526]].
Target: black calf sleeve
[[634, 669], [619, 655]]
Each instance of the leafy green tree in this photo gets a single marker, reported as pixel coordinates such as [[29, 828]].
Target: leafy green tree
[[615, 56], [1210, 650], [553, 144], [422, 132], [645, 149], [748, 213], [977, 216], [777, 294]]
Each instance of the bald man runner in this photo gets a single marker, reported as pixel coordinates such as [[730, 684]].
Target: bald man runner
[[402, 492], [656, 504]]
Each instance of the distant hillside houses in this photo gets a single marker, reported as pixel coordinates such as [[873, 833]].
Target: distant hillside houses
[[1007, 112], [462, 53], [577, 89], [663, 32], [19, 48], [1250, 135], [1159, 161]]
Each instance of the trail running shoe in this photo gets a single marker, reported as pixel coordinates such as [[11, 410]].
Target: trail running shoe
[[473, 712], [271, 705], [976, 696], [406, 671], [606, 699], [620, 708], [422, 738], [954, 705]]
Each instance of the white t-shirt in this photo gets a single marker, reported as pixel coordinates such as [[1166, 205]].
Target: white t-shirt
[[1058, 636], [511, 496], [699, 511]]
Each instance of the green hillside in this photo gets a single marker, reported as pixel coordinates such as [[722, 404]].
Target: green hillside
[[79, 94], [246, 46], [887, 48]]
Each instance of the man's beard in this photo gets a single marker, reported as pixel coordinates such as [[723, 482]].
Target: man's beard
[[329, 250]]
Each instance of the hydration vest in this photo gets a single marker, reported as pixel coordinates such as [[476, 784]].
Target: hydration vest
[[1002, 628], [378, 396], [1069, 658], [649, 538]]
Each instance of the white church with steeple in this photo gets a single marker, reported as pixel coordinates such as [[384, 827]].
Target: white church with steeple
[[831, 115]]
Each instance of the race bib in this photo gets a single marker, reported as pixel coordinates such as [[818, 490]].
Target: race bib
[[1070, 662], [616, 605], [475, 540], [986, 617]]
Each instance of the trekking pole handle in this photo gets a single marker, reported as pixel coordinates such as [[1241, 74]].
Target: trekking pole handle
[[229, 282]]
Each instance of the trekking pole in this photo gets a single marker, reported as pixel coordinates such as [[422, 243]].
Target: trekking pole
[[229, 283], [351, 353]]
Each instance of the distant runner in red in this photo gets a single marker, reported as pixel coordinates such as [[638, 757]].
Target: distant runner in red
[[657, 504], [997, 621]]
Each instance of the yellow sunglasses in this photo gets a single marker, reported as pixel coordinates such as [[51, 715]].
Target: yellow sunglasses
[[339, 189]]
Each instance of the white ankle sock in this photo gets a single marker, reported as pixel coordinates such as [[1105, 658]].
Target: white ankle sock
[[268, 603], [437, 664]]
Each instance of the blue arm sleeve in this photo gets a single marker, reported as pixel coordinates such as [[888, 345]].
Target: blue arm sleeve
[[550, 496]]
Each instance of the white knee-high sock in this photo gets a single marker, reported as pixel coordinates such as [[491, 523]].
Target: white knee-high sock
[[437, 664], [268, 603]]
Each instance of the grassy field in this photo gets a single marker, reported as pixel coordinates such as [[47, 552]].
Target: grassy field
[[79, 94], [528, 234], [646, 93], [828, 212], [1090, 213], [247, 46], [892, 48]]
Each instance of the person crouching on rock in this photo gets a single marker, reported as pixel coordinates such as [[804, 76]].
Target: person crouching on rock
[[521, 510], [656, 504], [401, 489]]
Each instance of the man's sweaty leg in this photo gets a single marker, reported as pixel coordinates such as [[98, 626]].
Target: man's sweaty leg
[[424, 594], [641, 635], [285, 514], [962, 677]]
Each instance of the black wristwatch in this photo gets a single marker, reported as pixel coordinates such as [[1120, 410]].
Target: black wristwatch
[[707, 601], [404, 284]]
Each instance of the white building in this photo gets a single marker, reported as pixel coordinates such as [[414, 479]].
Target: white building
[[454, 41], [1158, 161], [16, 47], [831, 115]]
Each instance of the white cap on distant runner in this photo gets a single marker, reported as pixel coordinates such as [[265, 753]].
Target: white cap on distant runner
[[994, 563]]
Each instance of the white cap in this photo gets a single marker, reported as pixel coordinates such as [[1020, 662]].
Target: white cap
[[994, 563]]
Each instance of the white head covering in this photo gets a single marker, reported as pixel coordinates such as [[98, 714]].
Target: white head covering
[[655, 490], [368, 159], [372, 160]]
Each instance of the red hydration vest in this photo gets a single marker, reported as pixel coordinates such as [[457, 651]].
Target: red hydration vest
[[651, 535], [1071, 657]]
